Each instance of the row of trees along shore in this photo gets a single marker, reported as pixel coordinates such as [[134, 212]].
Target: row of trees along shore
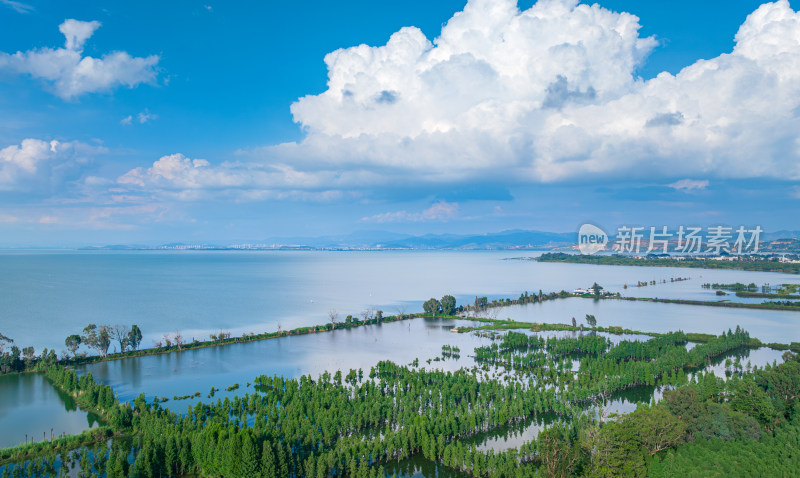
[[357, 424], [96, 338], [96, 341]]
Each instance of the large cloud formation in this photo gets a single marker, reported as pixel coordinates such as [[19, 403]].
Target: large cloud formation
[[73, 74], [551, 93], [547, 94]]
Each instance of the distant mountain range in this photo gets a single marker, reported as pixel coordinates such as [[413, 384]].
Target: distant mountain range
[[376, 240], [774, 236], [380, 240], [514, 239]]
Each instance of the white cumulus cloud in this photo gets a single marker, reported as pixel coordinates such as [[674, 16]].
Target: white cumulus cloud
[[550, 94], [547, 94], [77, 32], [71, 73], [34, 164]]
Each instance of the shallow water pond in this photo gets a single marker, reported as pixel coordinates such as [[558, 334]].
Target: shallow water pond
[[31, 408]]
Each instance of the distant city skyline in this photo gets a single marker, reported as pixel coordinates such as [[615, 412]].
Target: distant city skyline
[[186, 122]]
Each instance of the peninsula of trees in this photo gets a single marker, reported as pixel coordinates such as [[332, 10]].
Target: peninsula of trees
[[744, 263]]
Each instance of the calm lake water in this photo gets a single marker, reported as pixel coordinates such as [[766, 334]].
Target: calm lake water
[[190, 371], [46, 296], [30, 406]]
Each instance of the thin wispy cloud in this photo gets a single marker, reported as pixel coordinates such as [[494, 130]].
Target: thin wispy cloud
[[689, 184], [143, 117], [18, 7], [439, 212], [146, 116]]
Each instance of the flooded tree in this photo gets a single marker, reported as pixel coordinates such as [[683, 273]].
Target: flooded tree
[[366, 314], [178, 339]]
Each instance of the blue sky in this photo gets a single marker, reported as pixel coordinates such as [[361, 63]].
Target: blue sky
[[154, 122]]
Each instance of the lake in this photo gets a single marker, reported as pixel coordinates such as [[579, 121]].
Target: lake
[[197, 370], [46, 296]]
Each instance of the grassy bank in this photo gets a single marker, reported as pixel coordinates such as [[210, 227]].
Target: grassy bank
[[711, 303], [22, 453], [197, 344], [502, 325], [762, 265], [766, 295]]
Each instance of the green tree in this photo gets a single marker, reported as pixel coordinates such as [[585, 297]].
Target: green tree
[[134, 337], [268, 467], [73, 342], [4, 341], [616, 451], [596, 288], [556, 453], [448, 304], [591, 320], [432, 306], [248, 466], [752, 400], [658, 428], [97, 338], [29, 355]]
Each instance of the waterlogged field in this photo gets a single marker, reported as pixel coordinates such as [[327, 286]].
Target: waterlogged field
[[31, 405], [767, 325], [197, 370], [256, 292], [520, 386], [31, 408]]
